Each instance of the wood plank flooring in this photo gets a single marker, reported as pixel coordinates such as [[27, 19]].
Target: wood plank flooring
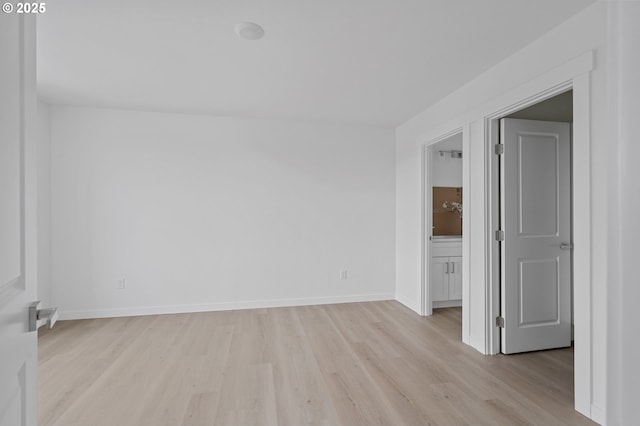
[[373, 363]]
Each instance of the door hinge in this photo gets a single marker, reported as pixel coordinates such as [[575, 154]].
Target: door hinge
[[499, 148], [499, 235], [500, 322]]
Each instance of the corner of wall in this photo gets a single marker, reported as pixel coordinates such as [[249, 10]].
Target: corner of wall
[[409, 303]]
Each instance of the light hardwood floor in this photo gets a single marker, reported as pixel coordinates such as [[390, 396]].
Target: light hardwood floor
[[350, 364]]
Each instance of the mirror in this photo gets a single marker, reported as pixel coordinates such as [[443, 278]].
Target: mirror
[[447, 210]]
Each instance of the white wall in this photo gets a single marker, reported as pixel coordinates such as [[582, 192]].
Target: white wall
[[488, 93], [199, 212], [624, 285], [43, 141], [447, 171]]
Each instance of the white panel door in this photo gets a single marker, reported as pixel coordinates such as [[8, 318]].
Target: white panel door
[[439, 279], [18, 346], [535, 218]]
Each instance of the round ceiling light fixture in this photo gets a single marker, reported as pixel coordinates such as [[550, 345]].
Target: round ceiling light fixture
[[249, 30]]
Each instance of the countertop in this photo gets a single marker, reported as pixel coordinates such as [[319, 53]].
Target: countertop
[[446, 238]]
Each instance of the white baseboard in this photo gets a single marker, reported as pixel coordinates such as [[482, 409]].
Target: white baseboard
[[447, 304], [223, 306]]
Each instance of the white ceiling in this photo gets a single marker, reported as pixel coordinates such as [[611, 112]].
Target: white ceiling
[[350, 61]]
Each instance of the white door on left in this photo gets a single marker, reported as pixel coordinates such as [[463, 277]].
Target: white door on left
[[18, 345]]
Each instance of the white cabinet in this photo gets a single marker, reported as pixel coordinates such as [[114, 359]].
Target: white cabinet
[[455, 278], [446, 273], [439, 279]]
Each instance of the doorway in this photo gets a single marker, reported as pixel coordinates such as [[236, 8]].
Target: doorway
[[534, 238], [580, 222], [534, 226], [442, 284]]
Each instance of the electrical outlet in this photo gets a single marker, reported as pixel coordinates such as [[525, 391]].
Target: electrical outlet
[[343, 274], [121, 284]]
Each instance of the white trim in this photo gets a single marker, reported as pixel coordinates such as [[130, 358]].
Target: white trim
[[492, 249], [447, 303], [426, 226], [582, 264], [598, 415], [222, 306], [466, 245]]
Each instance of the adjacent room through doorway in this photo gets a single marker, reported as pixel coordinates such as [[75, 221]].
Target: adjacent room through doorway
[[443, 196]]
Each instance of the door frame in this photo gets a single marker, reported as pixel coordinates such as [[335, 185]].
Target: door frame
[[426, 307], [581, 229]]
